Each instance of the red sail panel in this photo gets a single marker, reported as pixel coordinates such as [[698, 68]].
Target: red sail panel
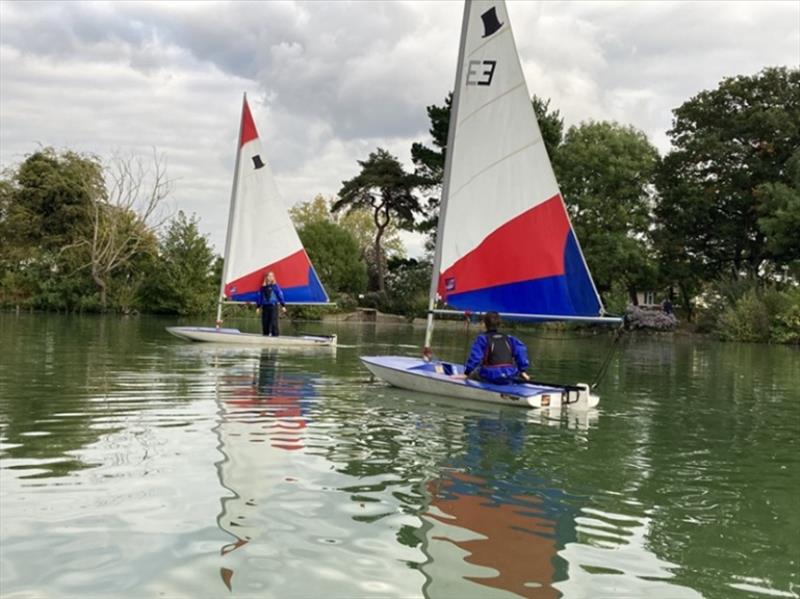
[[529, 246]]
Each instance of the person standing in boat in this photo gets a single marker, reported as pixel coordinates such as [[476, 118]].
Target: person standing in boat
[[269, 299], [496, 357]]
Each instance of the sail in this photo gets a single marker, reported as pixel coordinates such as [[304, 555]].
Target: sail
[[506, 241], [261, 237]]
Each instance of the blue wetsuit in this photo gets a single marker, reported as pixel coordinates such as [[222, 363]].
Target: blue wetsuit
[[269, 298], [490, 369]]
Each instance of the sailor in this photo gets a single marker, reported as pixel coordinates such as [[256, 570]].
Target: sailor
[[269, 298], [496, 357]]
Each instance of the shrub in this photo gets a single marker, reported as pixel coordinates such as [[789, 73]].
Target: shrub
[[762, 315], [747, 319], [344, 302], [656, 320], [785, 326]]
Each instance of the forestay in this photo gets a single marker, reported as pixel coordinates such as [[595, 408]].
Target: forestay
[[261, 237], [505, 241]]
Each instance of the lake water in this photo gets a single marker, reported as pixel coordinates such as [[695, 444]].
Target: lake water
[[133, 464]]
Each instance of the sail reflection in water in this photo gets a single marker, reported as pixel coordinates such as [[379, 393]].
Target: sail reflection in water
[[506, 535], [492, 520], [263, 414]]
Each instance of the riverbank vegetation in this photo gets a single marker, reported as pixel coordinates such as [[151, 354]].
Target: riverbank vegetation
[[713, 225]]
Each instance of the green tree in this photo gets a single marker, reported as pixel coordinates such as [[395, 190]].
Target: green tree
[[779, 218], [384, 188], [551, 124], [335, 255], [358, 222], [182, 280], [45, 209], [408, 283], [605, 173], [429, 163], [725, 188], [318, 209]]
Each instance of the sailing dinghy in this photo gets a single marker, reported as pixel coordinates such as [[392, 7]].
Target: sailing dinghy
[[260, 238], [504, 240]]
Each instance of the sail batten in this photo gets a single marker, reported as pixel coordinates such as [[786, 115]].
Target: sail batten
[[505, 242]]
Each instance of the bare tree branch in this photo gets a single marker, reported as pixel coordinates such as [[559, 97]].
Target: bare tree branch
[[128, 214]]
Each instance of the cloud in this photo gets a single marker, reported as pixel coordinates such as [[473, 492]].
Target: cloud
[[330, 81]]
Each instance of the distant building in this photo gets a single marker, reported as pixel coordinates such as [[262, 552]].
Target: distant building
[[648, 298]]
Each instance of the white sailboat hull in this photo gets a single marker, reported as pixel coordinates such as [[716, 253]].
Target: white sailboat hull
[[236, 337], [423, 377]]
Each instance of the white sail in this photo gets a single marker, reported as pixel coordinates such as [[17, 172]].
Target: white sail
[[261, 237], [505, 242]]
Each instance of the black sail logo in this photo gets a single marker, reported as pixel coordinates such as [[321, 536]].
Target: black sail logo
[[257, 162], [490, 22]]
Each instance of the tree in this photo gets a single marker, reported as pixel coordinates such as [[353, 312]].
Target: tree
[[551, 124], [335, 254], [318, 209], [386, 190], [722, 189], [358, 222], [408, 283], [605, 172], [123, 218], [53, 196], [183, 279], [779, 217], [429, 163], [45, 208]]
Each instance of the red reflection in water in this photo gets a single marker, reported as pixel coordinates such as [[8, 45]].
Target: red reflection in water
[[519, 541], [270, 399]]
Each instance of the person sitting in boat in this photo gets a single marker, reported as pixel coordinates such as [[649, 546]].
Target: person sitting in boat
[[496, 357], [270, 297]]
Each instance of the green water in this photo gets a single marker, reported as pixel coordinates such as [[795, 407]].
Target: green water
[[133, 464]]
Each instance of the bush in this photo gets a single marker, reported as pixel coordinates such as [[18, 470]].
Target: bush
[[786, 325], [344, 302], [655, 320], [407, 284], [746, 319], [762, 315]]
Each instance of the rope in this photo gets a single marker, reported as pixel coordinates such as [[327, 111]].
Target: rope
[[604, 367], [467, 319]]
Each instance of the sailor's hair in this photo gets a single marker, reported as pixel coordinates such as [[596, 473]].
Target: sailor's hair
[[491, 320]]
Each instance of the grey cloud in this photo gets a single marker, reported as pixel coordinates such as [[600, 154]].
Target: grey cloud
[[329, 82], [338, 61]]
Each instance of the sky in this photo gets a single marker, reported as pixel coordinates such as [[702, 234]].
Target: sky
[[328, 82]]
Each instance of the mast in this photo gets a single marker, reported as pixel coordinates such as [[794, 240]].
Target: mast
[[451, 134], [231, 212]]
